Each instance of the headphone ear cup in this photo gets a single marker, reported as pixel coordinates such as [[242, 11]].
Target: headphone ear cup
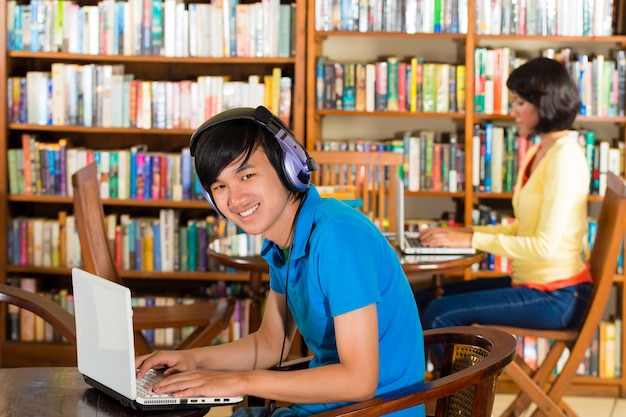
[[209, 199], [295, 173]]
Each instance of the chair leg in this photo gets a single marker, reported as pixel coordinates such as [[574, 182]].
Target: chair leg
[[530, 388], [539, 377]]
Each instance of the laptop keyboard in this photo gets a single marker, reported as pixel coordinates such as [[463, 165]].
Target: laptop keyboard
[[148, 380], [413, 242]]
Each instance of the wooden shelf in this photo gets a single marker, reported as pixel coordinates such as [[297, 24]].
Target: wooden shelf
[[144, 67], [325, 124]]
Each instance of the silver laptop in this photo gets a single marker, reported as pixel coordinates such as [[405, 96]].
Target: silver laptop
[[106, 351], [408, 242]]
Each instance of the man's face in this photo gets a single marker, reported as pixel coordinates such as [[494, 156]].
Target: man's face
[[253, 197]]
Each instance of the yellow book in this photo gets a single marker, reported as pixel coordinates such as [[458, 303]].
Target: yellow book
[[460, 88], [277, 74]]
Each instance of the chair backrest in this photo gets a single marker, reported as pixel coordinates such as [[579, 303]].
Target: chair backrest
[[51, 312], [370, 173], [473, 359], [94, 245], [602, 262]]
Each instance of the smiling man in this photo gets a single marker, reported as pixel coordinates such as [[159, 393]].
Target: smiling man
[[333, 276]]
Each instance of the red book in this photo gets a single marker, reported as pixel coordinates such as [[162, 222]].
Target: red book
[[402, 86], [436, 176]]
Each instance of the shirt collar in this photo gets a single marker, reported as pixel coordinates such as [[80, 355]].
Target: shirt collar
[[302, 229]]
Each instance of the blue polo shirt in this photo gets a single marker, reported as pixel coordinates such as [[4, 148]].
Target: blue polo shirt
[[341, 262]]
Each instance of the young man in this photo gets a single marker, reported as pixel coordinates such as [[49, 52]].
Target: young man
[[333, 276]]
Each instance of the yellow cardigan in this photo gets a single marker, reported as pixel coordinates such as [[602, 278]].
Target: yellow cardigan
[[545, 243]]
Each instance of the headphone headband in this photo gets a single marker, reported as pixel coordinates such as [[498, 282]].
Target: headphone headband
[[296, 162]]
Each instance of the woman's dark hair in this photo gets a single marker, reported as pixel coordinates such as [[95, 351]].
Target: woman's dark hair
[[546, 84], [219, 146]]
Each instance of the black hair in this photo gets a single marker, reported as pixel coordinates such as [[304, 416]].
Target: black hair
[[547, 85], [222, 144]]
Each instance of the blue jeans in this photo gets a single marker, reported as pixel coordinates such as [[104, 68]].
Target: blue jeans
[[495, 301], [262, 412]]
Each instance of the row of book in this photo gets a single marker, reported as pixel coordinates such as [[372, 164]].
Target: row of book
[[103, 95], [601, 80], [549, 18], [391, 84], [165, 243], [498, 152], [408, 16], [169, 28], [602, 359], [39, 168], [25, 326]]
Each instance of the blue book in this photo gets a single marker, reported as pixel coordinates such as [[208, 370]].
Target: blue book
[[202, 245], [147, 178], [156, 232], [132, 244], [192, 246], [157, 27], [149, 333], [185, 175], [138, 245], [134, 151], [488, 152]]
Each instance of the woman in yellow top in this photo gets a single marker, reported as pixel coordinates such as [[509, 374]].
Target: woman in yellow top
[[550, 284]]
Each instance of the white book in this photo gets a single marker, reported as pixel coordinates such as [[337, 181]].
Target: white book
[[46, 243], [603, 166], [166, 218], [414, 163], [104, 169], [497, 159], [87, 80], [72, 254], [124, 222], [117, 96], [613, 161], [136, 24], [169, 27], [171, 108], [181, 43], [475, 161], [127, 41], [453, 178], [370, 87], [192, 18], [70, 168], [37, 246], [489, 87], [59, 111], [123, 174], [177, 187]]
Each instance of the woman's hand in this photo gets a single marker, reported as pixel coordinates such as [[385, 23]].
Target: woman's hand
[[446, 237]]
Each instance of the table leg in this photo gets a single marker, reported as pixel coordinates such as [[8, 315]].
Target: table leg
[[437, 285]]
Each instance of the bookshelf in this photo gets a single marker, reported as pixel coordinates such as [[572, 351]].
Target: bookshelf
[[168, 62], [352, 126]]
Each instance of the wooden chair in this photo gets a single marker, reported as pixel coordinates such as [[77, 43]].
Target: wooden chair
[[371, 175], [210, 317], [47, 309], [473, 359], [536, 386]]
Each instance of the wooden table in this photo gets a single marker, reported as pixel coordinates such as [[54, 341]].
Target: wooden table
[[62, 392], [435, 265]]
